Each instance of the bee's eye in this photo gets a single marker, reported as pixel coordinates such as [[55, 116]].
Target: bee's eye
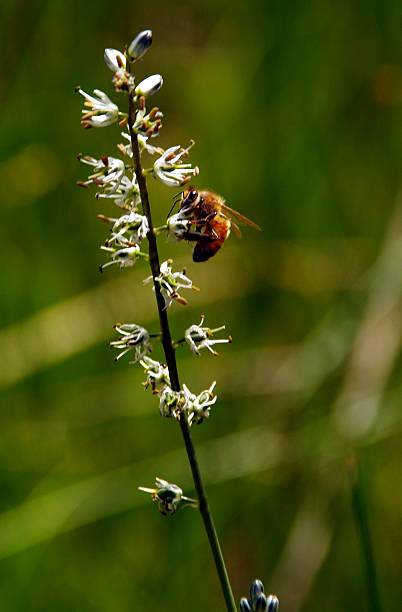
[[192, 195]]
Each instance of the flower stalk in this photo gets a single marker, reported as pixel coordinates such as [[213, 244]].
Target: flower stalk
[[171, 363]]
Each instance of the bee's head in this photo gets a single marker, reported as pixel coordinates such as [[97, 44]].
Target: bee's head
[[189, 198]]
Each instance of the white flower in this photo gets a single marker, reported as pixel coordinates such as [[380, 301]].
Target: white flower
[[140, 44], [199, 337], [100, 111], [171, 171], [124, 258], [148, 124], [170, 282], [198, 406], [149, 86], [157, 374], [125, 195], [114, 59], [128, 229], [178, 225], [107, 170], [133, 338], [126, 149]]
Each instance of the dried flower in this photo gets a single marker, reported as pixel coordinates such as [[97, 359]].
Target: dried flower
[[169, 497], [149, 86], [170, 282], [133, 338], [140, 45], [157, 374], [100, 111], [197, 407], [199, 337], [169, 169], [171, 403], [124, 258]]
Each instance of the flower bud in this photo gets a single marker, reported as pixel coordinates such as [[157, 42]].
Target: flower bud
[[149, 86], [244, 605], [256, 589], [272, 603], [140, 44], [114, 59], [260, 603]]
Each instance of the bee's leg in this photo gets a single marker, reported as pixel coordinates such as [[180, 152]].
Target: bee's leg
[[197, 237], [206, 220]]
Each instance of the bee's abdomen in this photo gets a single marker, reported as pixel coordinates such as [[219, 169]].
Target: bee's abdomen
[[205, 250]]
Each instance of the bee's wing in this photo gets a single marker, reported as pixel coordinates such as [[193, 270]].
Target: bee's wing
[[236, 229], [240, 217]]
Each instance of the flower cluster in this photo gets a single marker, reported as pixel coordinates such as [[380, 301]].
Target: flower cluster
[[117, 182], [168, 497], [122, 181], [127, 230], [258, 601], [172, 404]]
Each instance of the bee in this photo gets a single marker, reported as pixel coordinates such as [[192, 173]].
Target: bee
[[211, 217]]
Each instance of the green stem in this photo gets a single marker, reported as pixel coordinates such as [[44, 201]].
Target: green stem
[[367, 550], [173, 372]]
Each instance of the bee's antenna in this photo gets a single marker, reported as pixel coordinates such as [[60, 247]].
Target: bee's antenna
[[175, 201]]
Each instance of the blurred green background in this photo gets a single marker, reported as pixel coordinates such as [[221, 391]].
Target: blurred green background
[[295, 108]]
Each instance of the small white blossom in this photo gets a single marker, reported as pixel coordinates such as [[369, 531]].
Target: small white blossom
[[178, 225], [148, 124], [133, 338], [125, 194], [199, 337], [157, 374], [100, 111], [126, 149], [128, 229], [124, 258], [168, 497], [140, 44], [107, 170], [114, 59], [169, 169], [149, 86], [170, 282], [198, 406]]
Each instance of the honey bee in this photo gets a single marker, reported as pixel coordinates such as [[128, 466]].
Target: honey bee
[[211, 217]]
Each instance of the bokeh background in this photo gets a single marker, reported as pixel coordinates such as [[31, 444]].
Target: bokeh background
[[295, 108]]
